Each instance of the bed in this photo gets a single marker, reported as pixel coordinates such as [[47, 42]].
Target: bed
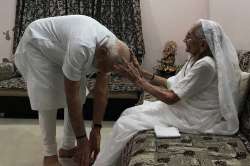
[[145, 149], [122, 94]]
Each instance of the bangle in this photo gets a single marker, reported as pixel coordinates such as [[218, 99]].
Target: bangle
[[81, 136], [153, 76], [97, 125]]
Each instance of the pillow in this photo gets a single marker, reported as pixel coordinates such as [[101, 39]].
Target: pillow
[[244, 86], [245, 116], [244, 60], [7, 70]]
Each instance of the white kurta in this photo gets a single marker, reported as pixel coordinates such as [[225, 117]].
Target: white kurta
[[197, 87], [197, 111], [55, 47]]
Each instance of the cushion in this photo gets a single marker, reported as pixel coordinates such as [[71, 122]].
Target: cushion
[[244, 60], [245, 116], [13, 83], [144, 149], [7, 70], [244, 84], [116, 84]]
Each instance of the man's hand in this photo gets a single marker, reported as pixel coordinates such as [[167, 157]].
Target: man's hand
[[95, 139], [81, 156]]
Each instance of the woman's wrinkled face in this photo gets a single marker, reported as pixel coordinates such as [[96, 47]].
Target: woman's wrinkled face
[[193, 43]]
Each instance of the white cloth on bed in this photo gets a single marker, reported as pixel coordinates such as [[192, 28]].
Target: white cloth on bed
[[166, 132], [55, 47]]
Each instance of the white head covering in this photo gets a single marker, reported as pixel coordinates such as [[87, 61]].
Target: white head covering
[[228, 69]]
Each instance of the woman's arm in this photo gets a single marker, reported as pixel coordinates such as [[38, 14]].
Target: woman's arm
[[132, 73], [154, 79], [166, 96]]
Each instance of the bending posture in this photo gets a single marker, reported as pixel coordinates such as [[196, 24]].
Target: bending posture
[[54, 56], [201, 98]]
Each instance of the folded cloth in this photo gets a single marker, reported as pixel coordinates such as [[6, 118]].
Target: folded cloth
[[166, 132]]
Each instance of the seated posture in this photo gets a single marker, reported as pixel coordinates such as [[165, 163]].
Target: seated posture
[[201, 98], [54, 56]]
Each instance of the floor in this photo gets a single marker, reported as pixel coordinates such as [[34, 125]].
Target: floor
[[20, 141]]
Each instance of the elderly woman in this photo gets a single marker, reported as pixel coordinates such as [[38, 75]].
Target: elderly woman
[[201, 98]]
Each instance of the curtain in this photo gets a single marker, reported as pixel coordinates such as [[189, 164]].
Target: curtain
[[122, 17]]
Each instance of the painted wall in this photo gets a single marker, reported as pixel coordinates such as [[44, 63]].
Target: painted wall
[[7, 22], [234, 16], [164, 20]]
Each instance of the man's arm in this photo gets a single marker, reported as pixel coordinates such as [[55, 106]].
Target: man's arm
[[100, 103], [72, 91], [100, 97]]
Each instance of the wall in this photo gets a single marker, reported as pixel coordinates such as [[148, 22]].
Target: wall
[[164, 20], [234, 16], [7, 19]]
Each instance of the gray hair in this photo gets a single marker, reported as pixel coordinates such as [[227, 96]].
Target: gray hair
[[113, 47], [199, 33]]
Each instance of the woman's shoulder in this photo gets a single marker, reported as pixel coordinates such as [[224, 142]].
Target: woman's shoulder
[[206, 61]]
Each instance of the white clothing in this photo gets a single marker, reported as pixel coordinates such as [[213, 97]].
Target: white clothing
[[197, 87], [132, 120], [209, 98], [51, 49], [196, 112], [55, 47], [47, 122], [229, 75]]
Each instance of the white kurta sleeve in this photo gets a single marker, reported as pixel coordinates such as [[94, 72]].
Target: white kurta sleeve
[[197, 80], [170, 82], [75, 60]]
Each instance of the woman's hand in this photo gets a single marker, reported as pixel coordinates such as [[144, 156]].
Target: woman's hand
[[135, 62], [129, 71]]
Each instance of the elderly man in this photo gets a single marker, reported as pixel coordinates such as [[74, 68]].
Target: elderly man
[[54, 56], [201, 98]]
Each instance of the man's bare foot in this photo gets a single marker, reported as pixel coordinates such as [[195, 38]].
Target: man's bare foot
[[67, 153], [51, 161]]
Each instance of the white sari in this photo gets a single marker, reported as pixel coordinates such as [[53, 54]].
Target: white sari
[[208, 90]]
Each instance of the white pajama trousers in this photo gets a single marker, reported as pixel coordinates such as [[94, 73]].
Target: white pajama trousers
[[132, 120], [47, 122]]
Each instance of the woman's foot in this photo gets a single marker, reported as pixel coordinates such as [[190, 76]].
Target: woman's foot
[[51, 161], [66, 153]]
